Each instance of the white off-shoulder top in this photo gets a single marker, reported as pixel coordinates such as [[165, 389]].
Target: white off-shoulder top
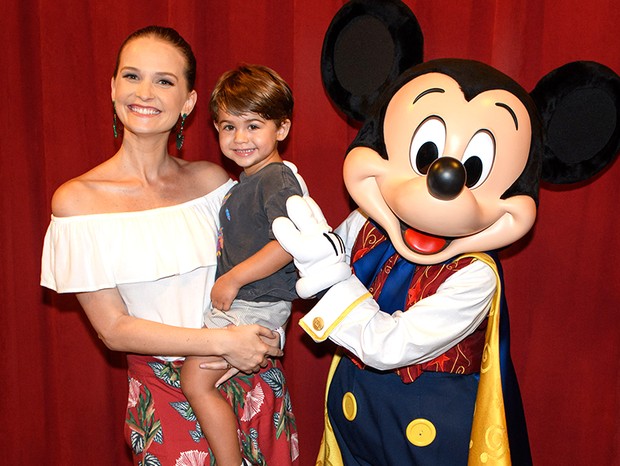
[[161, 260]]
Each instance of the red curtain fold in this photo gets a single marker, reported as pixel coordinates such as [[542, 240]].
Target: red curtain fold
[[63, 394]]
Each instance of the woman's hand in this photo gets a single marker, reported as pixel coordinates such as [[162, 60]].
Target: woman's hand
[[246, 347]]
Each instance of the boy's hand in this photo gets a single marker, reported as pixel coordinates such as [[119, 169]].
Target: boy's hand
[[319, 254], [223, 293]]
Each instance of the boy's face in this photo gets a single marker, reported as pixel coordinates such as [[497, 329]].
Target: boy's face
[[249, 140]]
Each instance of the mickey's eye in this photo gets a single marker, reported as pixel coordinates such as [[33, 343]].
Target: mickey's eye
[[478, 158], [427, 144]]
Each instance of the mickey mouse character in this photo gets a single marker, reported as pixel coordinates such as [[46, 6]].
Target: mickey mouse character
[[445, 170]]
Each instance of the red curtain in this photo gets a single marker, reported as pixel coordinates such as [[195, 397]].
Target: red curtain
[[63, 394]]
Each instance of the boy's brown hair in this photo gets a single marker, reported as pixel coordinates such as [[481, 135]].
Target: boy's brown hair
[[252, 89]]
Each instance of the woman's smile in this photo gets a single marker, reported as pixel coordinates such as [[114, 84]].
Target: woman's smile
[[144, 110]]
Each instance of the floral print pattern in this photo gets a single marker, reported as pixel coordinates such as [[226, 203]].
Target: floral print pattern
[[157, 412]]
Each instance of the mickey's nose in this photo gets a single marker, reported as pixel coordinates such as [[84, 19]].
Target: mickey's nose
[[445, 178]]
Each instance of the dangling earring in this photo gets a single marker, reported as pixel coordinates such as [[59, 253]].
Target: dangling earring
[[180, 136], [114, 120]]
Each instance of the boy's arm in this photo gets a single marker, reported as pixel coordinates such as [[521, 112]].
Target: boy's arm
[[271, 258]]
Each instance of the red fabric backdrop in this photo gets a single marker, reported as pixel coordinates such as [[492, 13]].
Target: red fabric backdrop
[[63, 393]]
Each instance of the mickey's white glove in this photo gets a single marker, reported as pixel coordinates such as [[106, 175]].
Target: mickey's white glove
[[319, 254]]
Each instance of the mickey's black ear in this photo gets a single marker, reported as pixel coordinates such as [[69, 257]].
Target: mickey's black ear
[[579, 104], [367, 45]]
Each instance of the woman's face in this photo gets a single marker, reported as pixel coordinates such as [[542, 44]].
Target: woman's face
[[150, 88]]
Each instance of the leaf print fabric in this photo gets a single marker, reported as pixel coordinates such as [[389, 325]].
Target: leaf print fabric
[[161, 428]]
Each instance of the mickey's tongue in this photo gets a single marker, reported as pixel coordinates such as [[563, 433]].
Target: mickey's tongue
[[422, 243]]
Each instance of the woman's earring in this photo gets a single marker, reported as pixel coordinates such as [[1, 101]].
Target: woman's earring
[[114, 120], [180, 136]]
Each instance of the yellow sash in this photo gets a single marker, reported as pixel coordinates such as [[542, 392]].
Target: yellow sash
[[329, 452], [489, 437]]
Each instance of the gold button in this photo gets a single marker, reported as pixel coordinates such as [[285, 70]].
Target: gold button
[[349, 406], [421, 432], [318, 323]]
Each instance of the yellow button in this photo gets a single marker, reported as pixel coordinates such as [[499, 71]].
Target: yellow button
[[421, 432], [349, 406], [318, 323]]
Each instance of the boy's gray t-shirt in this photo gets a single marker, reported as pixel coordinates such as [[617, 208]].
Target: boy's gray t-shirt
[[246, 216]]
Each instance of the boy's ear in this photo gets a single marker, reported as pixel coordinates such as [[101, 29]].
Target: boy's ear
[[283, 129], [217, 128]]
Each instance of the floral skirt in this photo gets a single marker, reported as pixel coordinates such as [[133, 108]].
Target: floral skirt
[[161, 428]]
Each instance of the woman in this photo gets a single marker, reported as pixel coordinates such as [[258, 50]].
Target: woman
[[135, 238]]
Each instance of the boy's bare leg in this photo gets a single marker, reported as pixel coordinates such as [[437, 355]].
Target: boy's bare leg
[[216, 417]]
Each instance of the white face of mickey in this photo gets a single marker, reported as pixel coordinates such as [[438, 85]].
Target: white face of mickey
[[449, 161]]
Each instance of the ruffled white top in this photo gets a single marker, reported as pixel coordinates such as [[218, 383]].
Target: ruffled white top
[[161, 260]]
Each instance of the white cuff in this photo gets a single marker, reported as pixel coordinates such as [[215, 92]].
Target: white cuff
[[282, 334], [333, 307]]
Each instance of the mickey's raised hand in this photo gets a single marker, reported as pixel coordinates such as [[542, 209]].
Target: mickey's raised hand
[[319, 254]]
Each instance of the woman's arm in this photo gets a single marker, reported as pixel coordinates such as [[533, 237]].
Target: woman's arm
[[241, 346]]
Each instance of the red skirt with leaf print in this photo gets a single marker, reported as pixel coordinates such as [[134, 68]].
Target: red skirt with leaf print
[[161, 428]]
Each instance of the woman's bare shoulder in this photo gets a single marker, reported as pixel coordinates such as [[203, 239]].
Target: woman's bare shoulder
[[208, 175], [79, 195], [71, 197]]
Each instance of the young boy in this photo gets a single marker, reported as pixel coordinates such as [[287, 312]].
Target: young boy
[[251, 108]]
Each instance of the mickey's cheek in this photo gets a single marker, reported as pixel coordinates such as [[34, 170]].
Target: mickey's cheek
[[362, 163]]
